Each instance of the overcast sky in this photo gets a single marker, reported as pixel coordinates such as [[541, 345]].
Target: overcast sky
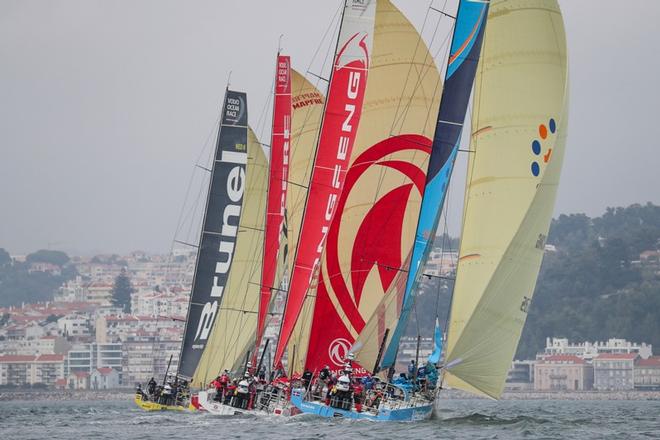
[[105, 107]]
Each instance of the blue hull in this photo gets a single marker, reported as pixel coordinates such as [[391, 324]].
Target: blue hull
[[385, 415]]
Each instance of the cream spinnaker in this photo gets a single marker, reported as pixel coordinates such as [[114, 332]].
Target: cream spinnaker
[[519, 124]]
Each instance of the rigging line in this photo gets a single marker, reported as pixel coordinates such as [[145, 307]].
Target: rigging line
[[402, 116], [316, 149], [181, 215], [420, 77], [403, 89], [296, 136]]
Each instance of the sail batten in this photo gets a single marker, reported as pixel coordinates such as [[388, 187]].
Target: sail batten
[[519, 133]]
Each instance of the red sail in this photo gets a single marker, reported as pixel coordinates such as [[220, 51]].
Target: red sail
[[340, 123], [378, 239], [277, 186]]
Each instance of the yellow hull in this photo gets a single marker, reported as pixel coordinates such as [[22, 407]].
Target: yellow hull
[[148, 405]]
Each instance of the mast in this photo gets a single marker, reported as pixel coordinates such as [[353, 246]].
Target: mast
[[277, 191], [217, 237], [341, 117], [466, 44]]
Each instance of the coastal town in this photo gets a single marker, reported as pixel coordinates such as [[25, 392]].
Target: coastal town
[[82, 340]]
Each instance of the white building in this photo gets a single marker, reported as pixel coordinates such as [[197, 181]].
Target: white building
[[75, 324], [589, 350], [104, 379], [89, 357], [71, 291], [21, 370]]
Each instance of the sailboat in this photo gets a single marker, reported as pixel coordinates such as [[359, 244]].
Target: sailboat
[[518, 134], [225, 293], [274, 254], [415, 167], [297, 113]]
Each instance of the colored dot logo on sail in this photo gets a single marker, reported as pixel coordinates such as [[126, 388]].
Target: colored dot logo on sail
[[537, 148]]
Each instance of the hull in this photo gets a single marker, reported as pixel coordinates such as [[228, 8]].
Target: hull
[[148, 405], [206, 403], [385, 413]]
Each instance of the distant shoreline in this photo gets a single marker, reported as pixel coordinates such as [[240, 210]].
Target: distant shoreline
[[127, 394], [561, 395]]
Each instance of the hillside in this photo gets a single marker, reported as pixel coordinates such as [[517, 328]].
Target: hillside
[[593, 286], [36, 279]]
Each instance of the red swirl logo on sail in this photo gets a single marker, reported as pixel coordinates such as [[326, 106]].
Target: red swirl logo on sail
[[377, 241], [338, 350]]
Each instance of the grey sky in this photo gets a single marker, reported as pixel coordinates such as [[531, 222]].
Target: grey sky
[[106, 105]]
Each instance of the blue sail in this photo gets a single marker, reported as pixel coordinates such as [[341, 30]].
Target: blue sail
[[434, 357], [461, 69]]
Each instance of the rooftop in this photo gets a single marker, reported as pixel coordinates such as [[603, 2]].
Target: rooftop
[[615, 356], [653, 361], [563, 358]]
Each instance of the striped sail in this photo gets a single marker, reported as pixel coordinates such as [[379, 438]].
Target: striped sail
[[462, 64], [518, 136], [372, 233], [340, 122], [236, 322]]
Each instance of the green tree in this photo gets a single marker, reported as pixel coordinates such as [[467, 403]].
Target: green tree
[[57, 258], [121, 291]]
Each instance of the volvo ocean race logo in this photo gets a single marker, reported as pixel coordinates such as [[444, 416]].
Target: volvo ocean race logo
[[338, 350]]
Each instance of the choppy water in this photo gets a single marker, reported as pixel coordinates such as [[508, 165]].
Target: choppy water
[[456, 419]]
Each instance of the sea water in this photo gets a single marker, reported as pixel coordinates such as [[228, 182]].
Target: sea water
[[455, 419]]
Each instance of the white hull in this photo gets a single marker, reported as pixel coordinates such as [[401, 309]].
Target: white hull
[[207, 403]]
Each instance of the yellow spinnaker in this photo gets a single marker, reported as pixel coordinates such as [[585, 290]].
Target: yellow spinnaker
[[519, 124], [235, 326]]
